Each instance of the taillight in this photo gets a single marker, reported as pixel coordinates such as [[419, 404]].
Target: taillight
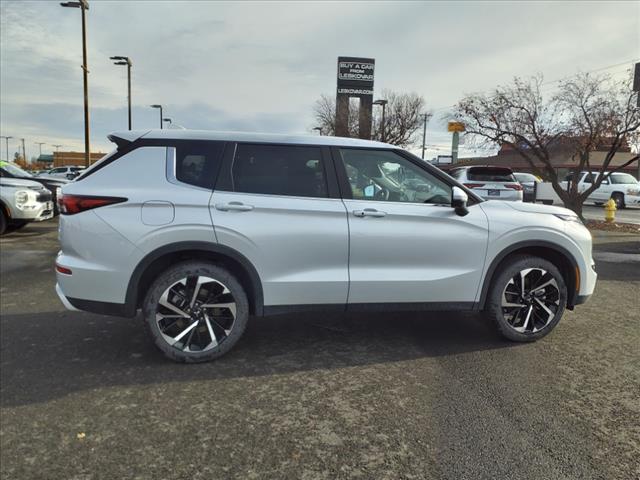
[[514, 186], [72, 204], [65, 270], [474, 185]]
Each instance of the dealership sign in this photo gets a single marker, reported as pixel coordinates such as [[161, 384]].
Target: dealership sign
[[355, 76], [355, 79]]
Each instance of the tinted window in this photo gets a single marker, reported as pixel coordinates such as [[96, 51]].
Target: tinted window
[[386, 176], [197, 163], [279, 170], [490, 174]]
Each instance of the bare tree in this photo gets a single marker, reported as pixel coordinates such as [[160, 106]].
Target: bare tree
[[587, 113], [402, 117]]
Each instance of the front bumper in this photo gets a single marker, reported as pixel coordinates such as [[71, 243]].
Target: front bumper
[[632, 200], [34, 211]]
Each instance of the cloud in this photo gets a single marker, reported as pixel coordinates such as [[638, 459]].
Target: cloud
[[261, 65]]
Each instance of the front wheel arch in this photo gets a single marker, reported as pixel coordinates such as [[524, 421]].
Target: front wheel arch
[[549, 251]]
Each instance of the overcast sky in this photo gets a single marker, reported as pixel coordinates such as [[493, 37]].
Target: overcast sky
[[259, 66]]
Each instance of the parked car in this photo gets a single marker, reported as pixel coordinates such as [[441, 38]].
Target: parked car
[[622, 187], [490, 183], [10, 170], [199, 230], [21, 202], [528, 182], [68, 172]]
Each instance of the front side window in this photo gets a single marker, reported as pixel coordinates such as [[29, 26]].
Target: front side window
[[279, 170], [386, 176]]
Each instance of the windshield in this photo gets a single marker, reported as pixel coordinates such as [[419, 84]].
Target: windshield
[[622, 178], [15, 170]]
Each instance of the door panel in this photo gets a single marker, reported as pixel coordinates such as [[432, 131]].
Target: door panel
[[415, 253], [298, 245], [406, 243]]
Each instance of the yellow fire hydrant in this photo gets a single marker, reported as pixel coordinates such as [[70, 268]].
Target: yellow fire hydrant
[[610, 210]]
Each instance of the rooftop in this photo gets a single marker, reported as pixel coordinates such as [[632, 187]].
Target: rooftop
[[175, 134]]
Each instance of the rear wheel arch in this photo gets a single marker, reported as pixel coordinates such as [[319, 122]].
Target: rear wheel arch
[[556, 254], [164, 257]]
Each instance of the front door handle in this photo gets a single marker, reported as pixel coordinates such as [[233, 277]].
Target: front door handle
[[369, 212], [233, 206]]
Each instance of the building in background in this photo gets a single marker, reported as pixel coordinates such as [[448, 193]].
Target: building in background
[[62, 159]]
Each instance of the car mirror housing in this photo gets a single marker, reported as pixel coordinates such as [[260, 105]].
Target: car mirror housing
[[459, 199]]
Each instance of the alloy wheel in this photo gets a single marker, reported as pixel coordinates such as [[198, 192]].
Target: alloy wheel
[[196, 314], [530, 300]]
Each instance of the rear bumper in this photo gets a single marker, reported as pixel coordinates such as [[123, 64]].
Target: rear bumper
[[102, 308]]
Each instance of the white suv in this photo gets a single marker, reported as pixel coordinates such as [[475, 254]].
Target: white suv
[[199, 230], [491, 183]]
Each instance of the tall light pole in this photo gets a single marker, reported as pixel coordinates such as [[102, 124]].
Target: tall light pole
[[384, 107], [424, 116], [6, 139], [126, 61], [168, 120], [83, 5], [40, 145], [160, 107]]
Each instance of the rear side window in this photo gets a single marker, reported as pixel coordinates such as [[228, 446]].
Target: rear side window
[[279, 170], [485, 174], [197, 163]]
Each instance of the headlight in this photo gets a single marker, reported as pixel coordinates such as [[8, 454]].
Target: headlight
[[22, 197], [568, 218], [633, 191]]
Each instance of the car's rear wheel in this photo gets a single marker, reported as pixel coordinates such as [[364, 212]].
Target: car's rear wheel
[[196, 312], [619, 199], [527, 298]]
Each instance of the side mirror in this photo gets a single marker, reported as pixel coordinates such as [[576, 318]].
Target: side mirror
[[459, 200]]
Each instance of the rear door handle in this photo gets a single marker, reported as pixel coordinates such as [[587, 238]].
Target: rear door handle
[[233, 206], [369, 212]]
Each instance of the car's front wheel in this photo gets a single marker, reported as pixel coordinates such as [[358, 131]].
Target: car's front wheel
[[196, 312], [527, 298]]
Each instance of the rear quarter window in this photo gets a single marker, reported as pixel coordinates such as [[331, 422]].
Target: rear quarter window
[[198, 163]]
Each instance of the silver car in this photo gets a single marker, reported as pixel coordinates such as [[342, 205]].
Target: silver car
[[490, 183], [201, 230], [23, 201]]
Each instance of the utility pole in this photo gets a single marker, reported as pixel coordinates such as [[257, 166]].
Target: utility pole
[[424, 132], [83, 5], [7, 145], [24, 152]]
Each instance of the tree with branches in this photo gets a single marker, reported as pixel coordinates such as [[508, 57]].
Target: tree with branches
[[587, 113], [402, 117]]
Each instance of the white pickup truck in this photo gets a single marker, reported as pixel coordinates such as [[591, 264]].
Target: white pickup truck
[[623, 188]]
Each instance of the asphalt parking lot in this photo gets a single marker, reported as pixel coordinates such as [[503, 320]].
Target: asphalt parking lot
[[369, 396], [626, 215]]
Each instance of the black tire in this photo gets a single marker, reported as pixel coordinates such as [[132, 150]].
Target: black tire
[[619, 199], [17, 225], [169, 281], [507, 319], [3, 221]]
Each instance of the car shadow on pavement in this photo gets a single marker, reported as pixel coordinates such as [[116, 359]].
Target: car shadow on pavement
[[49, 355]]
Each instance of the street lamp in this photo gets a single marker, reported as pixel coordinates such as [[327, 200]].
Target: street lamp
[[319, 129], [160, 107], [384, 106], [6, 139], [168, 120], [126, 61], [83, 5], [40, 145]]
